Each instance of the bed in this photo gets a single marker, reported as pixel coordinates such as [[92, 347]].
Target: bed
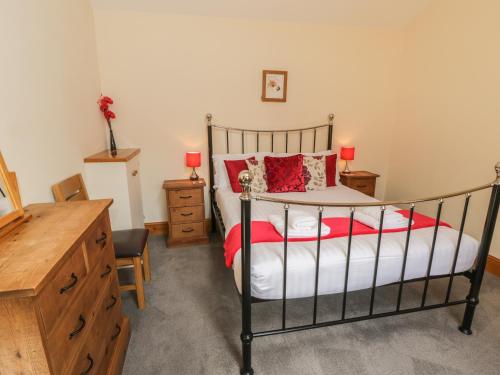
[[267, 258], [268, 266]]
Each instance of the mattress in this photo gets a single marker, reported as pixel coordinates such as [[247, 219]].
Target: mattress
[[267, 258]]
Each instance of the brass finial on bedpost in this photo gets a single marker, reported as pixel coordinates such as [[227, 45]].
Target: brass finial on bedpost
[[209, 119], [245, 178], [497, 169], [331, 116]]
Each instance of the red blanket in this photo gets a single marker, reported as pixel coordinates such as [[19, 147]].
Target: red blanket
[[264, 231]]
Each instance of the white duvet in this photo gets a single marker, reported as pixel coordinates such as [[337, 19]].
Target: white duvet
[[267, 258]]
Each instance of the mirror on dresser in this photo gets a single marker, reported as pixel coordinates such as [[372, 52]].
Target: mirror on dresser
[[10, 201]]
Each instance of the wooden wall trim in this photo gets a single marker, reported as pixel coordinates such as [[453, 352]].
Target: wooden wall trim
[[493, 265], [160, 228]]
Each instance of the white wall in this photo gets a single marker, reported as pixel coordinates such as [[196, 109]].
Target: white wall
[[166, 72], [447, 136], [49, 84]]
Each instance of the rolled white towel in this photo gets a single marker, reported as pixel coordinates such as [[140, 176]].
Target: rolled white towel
[[392, 220], [301, 220], [279, 223]]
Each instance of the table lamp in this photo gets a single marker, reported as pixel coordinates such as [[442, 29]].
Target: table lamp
[[193, 160], [347, 153]]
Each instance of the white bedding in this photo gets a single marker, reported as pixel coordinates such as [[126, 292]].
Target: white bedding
[[267, 258]]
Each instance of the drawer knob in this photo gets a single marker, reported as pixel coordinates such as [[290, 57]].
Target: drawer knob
[[186, 196], [107, 272], [102, 240], [91, 365], [118, 331], [80, 328], [188, 230], [71, 285], [134, 173], [110, 306], [187, 214]]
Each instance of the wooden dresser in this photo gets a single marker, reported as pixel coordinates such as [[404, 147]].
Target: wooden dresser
[[60, 306], [186, 211]]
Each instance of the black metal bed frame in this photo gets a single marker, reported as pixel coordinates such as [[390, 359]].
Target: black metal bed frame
[[475, 275]]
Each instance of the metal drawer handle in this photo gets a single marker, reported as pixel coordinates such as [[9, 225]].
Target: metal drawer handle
[[82, 321], [74, 280], [119, 330], [91, 365], [362, 186], [189, 230], [188, 214], [102, 239], [186, 196], [107, 272], [110, 306]]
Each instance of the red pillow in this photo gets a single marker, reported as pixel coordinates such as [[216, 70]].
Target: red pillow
[[284, 174], [234, 167], [331, 170]]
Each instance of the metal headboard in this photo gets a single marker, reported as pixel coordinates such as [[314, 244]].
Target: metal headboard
[[258, 134]]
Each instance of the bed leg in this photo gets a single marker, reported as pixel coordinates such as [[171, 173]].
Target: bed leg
[[245, 179], [484, 248]]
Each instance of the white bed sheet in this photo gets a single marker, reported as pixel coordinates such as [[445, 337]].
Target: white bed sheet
[[267, 258]]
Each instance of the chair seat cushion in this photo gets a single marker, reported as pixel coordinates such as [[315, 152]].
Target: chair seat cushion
[[130, 243]]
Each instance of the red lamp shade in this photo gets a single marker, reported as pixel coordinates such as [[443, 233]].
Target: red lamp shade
[[193, 159], [347, 153]]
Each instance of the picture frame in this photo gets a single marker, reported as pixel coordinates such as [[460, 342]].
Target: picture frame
[[274, 85], [10, 192]]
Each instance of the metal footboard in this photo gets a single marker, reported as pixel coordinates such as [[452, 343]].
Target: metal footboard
[[475, 275]]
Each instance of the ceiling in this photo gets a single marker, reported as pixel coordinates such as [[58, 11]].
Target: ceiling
[[370, 13]]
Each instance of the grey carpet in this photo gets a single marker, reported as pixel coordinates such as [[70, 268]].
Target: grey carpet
[[191, 325]]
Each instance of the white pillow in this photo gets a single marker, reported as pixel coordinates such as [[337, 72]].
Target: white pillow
[[221, 179]]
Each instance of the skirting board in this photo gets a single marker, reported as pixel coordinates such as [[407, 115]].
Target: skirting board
[[493, 265], [161, 227]]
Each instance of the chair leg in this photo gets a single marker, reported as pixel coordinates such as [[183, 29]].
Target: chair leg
[[139, 284], [145, 263]]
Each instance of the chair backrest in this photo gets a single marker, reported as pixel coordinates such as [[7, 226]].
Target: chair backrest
[[70, 189]]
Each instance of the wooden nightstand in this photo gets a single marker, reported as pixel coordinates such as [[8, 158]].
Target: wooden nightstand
[[362, 181], [186, 211]]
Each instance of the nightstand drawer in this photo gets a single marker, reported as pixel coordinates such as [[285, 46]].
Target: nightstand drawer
[[190, 230], [186, 214], [185, 197]]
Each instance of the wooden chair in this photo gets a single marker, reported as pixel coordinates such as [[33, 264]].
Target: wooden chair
[[131, 246]]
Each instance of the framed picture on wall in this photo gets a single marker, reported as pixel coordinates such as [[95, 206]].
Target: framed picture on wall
[[274, 85]]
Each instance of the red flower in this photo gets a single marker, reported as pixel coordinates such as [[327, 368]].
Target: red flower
[[103, 107], [106, 99], [109, 115]]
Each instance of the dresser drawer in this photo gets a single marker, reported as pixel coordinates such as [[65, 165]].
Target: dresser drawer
[[98, 240], [188, 230], [105, 330], [55, 297], [73, 326], [186, 214], [185, 197]]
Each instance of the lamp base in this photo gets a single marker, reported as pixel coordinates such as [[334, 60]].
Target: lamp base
[[194, 176], [346, 169]]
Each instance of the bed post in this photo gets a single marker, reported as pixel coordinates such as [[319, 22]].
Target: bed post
[[245, 179], [484, 247], [331, 116], [211, 171]]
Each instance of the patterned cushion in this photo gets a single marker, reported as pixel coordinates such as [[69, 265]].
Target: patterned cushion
[[258, 171], [284, 174], [314, 171]]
